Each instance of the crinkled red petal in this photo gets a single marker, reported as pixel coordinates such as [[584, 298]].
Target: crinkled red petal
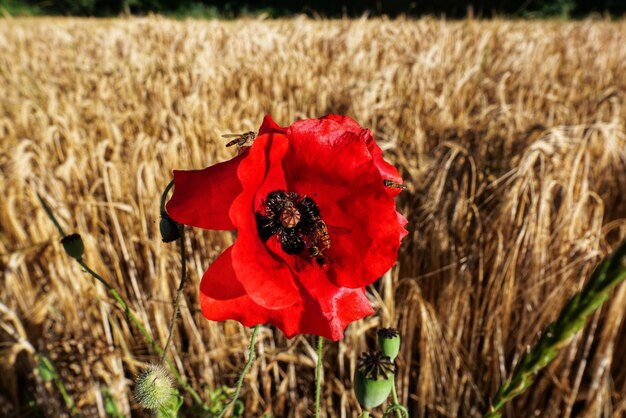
[[340, 176], [329, 308], [202, 198], [266, 278], [387, 171], [321, 309], [223, 297], [402, 222], [270, 127]]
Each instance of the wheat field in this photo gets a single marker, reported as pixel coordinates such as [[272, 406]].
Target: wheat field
[[510, 135]]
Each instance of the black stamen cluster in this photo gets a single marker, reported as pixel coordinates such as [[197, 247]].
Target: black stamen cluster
[[292, 240], [388, 333], [375, 364]]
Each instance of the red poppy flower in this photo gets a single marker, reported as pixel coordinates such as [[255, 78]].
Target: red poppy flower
[[316, 223]]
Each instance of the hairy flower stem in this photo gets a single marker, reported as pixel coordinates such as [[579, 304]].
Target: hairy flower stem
[[243, 373], [164, 195], [135, 320], [130, 315], [396, 407], [318, 376], [183, 274], [608, 274], [51, 216], [179, 291], [394, 395]]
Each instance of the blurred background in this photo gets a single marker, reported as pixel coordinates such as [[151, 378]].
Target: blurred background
[[322, 8], [506, 122]]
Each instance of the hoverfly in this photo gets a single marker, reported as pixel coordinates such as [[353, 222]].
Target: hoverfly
[[322, 243], [316, 254], [393, 185], [241, 140], [322, 234]]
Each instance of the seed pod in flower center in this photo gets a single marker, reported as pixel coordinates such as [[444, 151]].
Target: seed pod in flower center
[[290, 217]]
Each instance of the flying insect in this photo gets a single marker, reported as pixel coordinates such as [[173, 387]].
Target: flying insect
[[393, 185], [241, 140]]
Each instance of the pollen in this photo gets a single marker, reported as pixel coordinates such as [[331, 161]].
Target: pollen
[[290, 217]]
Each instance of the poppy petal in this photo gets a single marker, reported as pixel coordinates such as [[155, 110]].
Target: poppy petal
[[223, 297], [202, 198], [346, 186], [327, 313], [266, 278], [402, 222], [270, 127], [329, 308], [387, 171]]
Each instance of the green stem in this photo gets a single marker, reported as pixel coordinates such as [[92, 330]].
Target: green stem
[[179, 291], [51, 215], [129, 314], [400, 410], [164, 195], [318, 376], [608, 274], [243, 373], [365, 414], [394, 395], [137, 322]]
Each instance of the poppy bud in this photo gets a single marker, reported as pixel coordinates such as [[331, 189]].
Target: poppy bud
[[168, 228], [73, 245], [153, 389], [374, 379], [389, 342], [238, 409]]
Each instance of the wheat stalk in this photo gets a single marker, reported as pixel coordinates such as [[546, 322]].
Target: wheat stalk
[[572, 318]]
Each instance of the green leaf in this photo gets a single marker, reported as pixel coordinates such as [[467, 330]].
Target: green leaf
[[45, 369], [110, 407]]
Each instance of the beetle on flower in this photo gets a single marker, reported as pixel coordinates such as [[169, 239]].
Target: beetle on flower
[[316, 222]]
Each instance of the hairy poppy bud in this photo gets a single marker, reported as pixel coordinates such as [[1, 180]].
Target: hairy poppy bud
[[374, 379], [154, 391], [389, 342], [73, 245], [168, 228]]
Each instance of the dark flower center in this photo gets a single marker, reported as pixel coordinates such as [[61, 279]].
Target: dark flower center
[[294, 220]]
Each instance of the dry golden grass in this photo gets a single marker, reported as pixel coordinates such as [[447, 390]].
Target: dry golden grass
[[511, 135]]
